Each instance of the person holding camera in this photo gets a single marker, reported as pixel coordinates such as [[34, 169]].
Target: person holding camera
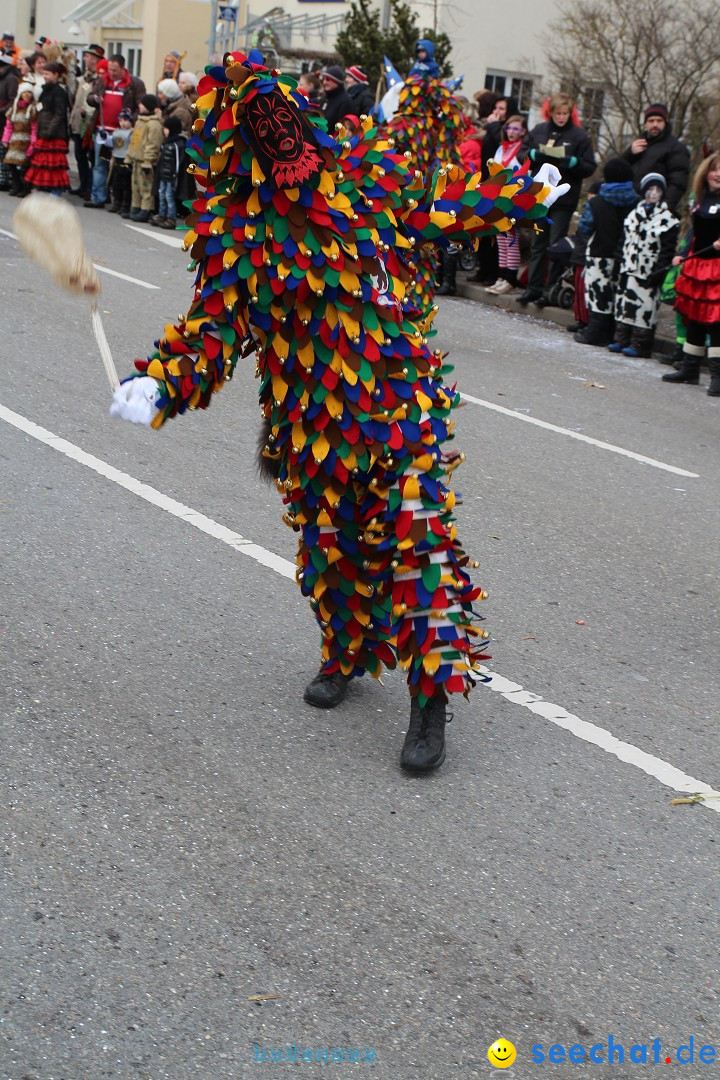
[[114, 90], [657, 150]]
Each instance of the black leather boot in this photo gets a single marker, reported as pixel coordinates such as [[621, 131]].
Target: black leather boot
[[327, 691], [714, 387], [448, 287], [424, 746], [599, 330], [688, 372]]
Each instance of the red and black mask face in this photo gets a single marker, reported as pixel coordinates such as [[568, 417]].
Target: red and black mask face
[[281, 139]]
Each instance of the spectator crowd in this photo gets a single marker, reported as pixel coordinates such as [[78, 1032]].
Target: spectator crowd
[[626, 253]]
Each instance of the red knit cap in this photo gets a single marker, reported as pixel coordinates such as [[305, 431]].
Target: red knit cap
[[656, 110], [358, 75]]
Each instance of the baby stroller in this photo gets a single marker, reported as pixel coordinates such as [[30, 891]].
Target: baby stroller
[[562, 292]]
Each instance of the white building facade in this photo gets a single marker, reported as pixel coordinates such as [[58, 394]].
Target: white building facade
[[494, 47]]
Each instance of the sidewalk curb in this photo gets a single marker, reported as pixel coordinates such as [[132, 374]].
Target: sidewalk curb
[[558, 316]]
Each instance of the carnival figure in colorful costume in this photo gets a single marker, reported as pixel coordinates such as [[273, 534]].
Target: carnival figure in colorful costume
[[300, 242], [428, 125]]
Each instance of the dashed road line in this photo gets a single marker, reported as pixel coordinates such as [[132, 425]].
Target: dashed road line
[[667, 774]]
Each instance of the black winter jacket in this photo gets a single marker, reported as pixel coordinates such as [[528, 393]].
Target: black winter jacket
[[9, 83], [578, 148], [363, 101], [603, 218], [53, 112], [667, 155], [171, 157], [337, 104]]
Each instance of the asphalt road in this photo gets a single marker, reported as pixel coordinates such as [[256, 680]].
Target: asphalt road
[[182, 834]]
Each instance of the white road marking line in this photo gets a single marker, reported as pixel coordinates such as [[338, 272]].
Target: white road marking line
[[125, 277], [176, 242], [103, 269], [164, 237], [577, 435], [661, 770]]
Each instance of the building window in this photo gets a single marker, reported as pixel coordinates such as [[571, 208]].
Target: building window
[[132, 54], [591, 101], [519, 87], [521, 90]]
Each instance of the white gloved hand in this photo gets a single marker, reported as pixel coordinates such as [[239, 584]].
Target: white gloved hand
[[549, 176], [136, 400]]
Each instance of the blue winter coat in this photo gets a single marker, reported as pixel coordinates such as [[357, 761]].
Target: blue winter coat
[[428, 68]]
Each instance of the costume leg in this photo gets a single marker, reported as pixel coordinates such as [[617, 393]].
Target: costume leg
[[387, 578]]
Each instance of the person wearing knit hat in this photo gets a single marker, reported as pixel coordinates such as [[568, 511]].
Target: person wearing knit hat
[[149, 103], [649, 240], [658, 150], [175, 103], [337, 102], [82, 119], [357, 86], [601, 222], [143, 152]]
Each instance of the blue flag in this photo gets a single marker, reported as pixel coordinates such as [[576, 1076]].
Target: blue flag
[[391, 74]]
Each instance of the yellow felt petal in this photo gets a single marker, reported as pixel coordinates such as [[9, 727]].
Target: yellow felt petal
[[156, 370], [320, 449]]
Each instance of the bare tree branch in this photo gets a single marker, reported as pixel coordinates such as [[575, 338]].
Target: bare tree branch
[[638, 53]]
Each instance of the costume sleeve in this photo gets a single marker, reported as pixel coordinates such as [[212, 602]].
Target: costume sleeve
[[455, 207], [668, 244], [153, 142], [677, 174], [197, 355], [586, 224]]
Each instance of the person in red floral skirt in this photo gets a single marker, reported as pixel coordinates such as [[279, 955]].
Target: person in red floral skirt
[[49, 168], [698, 286]]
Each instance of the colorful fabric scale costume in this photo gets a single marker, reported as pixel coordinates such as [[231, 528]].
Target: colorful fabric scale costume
[[428, 126], [428, 122], [300, 243]]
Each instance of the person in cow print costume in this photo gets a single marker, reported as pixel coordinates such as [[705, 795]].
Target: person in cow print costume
[[651, 232], [601, 223]]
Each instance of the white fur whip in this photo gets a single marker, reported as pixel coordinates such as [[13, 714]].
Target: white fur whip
[[50, 232]]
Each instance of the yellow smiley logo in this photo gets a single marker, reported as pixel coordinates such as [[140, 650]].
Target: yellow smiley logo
[[502, 1054]]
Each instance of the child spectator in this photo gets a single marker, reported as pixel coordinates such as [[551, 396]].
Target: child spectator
[[508, 246], [143, 153], [19, 137], [121, 169], [168, 171], [651, 231], [602, 223], [49, 166], [698, 285]]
